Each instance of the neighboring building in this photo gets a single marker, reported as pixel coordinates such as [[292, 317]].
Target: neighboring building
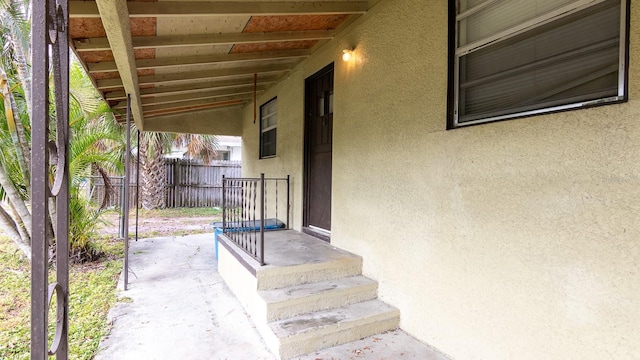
[[229, 148], [516, 239]]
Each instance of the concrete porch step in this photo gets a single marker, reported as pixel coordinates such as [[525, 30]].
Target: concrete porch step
[[310, 332], [306, 298], [343, 264]]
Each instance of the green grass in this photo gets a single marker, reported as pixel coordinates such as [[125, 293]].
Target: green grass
[[92, 293], [92, 290], [14, 302]]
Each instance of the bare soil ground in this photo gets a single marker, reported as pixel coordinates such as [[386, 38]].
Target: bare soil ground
[[167, 222]]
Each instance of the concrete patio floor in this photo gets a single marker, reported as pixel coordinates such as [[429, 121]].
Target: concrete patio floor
[[178, 307]]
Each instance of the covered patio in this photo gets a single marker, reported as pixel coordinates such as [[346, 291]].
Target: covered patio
[[182, 66], [450, 216], [192, 66]]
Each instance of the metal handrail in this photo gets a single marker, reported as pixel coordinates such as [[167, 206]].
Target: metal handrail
[[241, 223]]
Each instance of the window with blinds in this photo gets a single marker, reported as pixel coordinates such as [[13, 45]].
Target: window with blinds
[[268, 127], [518, 58]]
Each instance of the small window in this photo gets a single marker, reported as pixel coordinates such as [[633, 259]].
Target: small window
[[268, 127], [525, 57]]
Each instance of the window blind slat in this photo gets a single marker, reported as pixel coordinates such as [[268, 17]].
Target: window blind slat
[[575, 57], [506, 14]]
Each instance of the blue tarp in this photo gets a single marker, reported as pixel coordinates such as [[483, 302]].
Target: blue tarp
[[238, 226]]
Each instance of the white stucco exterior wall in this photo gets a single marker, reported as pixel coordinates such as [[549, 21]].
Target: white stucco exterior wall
[[511, 240]]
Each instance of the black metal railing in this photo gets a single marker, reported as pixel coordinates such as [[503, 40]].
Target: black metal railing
[[251, 206]]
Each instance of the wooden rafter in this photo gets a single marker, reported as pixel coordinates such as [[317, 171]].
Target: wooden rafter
[[145, 42], [189, 104], [192, 88], [180, 99], [117, 26], [88, 9], [110, 66], [189, 77]]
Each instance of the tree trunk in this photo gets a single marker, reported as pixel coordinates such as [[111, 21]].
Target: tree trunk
[[16, 200], [9, 226], [22, 137], [153, 173], [22, 67], [13, 119], [24, 150], [22, 231]]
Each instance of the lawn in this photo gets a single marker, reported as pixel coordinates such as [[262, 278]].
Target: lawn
[[92, 293], [92, 286]]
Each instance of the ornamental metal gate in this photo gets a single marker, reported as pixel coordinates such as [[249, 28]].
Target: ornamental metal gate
[[49, 201]]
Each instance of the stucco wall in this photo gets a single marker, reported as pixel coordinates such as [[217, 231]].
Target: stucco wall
[[213, 121], [511, 240]]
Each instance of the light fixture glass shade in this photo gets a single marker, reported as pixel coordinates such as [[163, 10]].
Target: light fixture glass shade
[[347, 54]]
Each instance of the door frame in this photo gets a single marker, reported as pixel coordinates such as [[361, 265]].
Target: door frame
[[307, 118]]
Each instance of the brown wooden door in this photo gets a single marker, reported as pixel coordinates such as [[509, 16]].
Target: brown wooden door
[[318, 147]]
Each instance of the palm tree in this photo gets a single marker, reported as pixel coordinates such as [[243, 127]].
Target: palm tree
[[198, 146], [96, 138], [15, 76], [96, 145], [152, 148]]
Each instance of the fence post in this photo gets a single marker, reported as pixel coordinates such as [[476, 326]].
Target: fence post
[[122, 207], [224, 206], [288, 208], [261, 249], [176, 183]]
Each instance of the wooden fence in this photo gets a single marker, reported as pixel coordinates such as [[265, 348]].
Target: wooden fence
[[187, 184], [196, 185]]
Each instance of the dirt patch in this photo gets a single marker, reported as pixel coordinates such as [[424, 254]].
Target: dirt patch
[[161, 225]]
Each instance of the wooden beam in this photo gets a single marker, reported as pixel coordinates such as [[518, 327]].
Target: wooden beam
[[246, 92], [144, 42], [190, 104], [193, 88], [88, 9], [143, 64], [115, 19], [184, 98], [226, 104], [188, 109], [189, 77]]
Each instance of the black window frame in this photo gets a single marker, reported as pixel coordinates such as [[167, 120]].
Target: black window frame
[[453, 69], [272, 131]]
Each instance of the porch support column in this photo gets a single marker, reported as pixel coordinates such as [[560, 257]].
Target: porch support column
[[39, 180], [127, 194], [49, 27]]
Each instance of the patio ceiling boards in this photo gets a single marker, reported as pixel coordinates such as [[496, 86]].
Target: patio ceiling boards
[[178, 57]]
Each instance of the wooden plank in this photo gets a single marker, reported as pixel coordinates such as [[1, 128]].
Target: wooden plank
[[154, 42], [166, 109], [142, 64], [118, 29], [183, 99], [194, 88], [87, 9], [187, 77], [201, 96]]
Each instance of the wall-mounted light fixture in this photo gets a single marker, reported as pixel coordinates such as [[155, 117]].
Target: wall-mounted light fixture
[[347, 55]]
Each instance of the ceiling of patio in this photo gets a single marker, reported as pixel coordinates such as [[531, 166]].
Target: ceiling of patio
[[176, 57]]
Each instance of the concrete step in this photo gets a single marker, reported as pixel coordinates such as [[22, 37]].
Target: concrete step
[[311, 332], [306, 298], [341, 265]]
